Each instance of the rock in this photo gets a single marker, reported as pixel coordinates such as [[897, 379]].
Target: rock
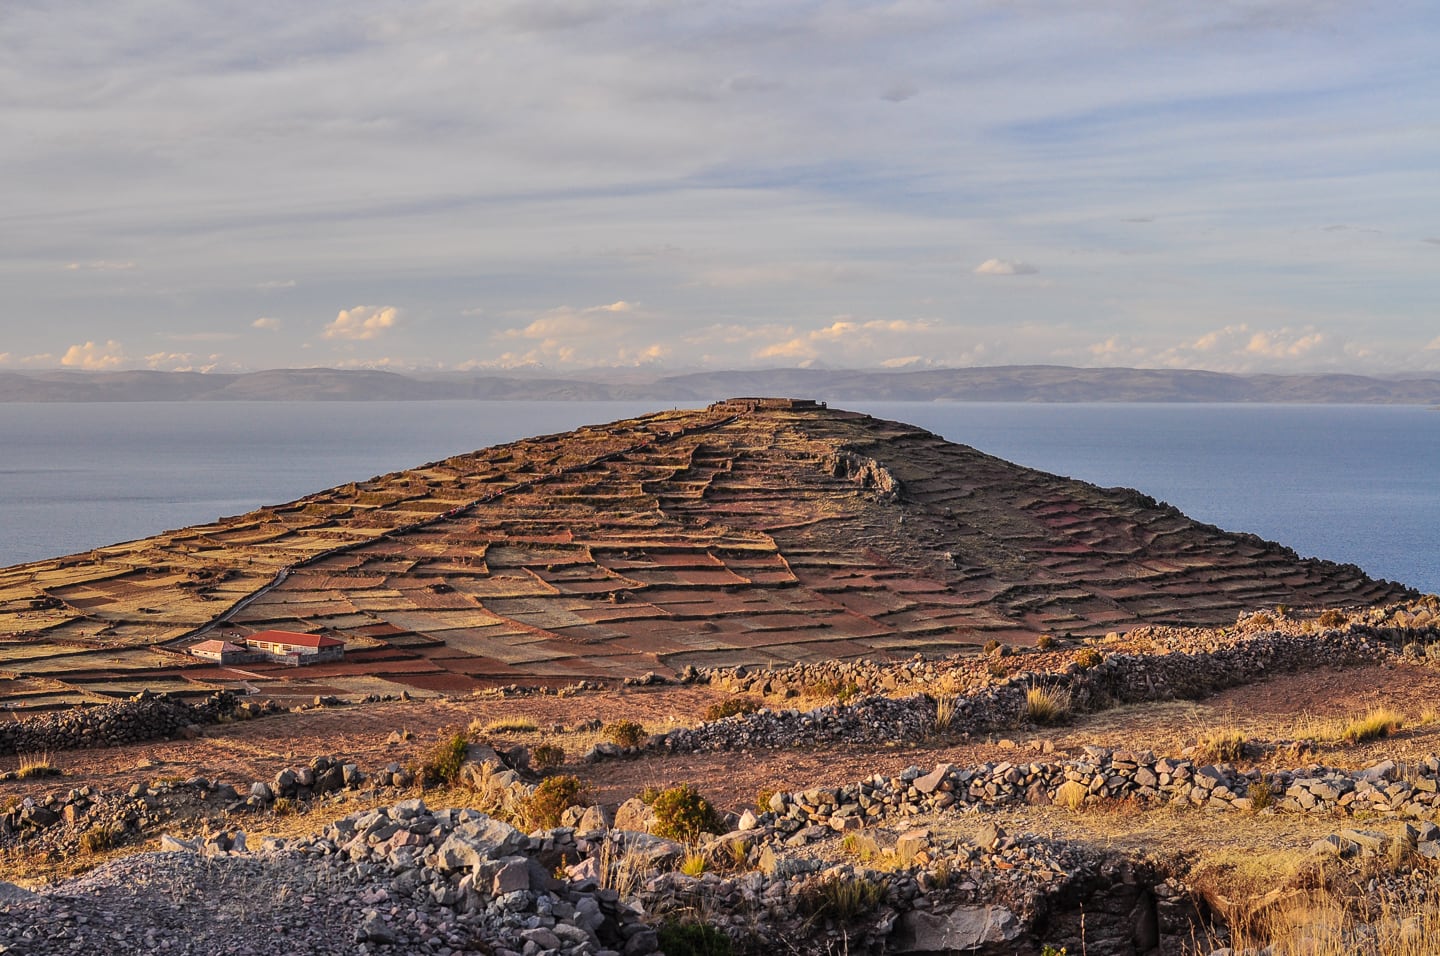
[[634, 815], [374, 929], [932, 780], [960, 929], [10, 893]]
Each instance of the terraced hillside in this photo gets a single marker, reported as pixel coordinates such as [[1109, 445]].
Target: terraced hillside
[[754, 531]]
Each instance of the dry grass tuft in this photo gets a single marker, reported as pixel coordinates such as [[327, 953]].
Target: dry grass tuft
[[1071, 795], [34, 766], [1222, 745], [1047, 704], [945, 710]]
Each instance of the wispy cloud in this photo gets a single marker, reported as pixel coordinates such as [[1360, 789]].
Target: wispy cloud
[[1004, 267], [265, 322]]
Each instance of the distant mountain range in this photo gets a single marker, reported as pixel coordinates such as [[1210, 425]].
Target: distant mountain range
[[1015, 383]]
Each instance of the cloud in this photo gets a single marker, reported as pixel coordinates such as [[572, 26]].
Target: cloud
[[1283, 343], [265, 322], [1433, 242], [614, 334], [99, 265], [1433, 345], [846, 339], [1004, 267], [361, 323], [277, 284], [180, 362], [92, 357], [899, 93]]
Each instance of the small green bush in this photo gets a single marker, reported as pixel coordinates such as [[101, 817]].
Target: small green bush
[[552, 797], [546, 756], [731, 707], [693, 939], [681, 813], [442, 764], [624, 733]]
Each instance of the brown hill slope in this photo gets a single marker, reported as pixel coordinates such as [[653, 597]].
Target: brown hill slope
[[749, 532]]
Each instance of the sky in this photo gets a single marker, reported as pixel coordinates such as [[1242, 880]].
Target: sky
[[454, 185]]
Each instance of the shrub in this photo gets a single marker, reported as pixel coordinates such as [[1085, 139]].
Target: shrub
[[732, 707], [1044, 642], [1432, 652], [1332, 618], [681, 813], [624, 733], [442, 764], [991, 647], [1261, 619], [1088, 657], [283, 806], [98, 839], [839, 898], [1226, 745], [552, 797], [1260, 794], [547, 756], [1047, 705], [762, 799], [693, 939]]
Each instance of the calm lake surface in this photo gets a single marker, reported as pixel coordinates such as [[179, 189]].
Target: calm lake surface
[[1358, 484]]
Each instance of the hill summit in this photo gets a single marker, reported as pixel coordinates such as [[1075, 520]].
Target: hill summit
[[754, 531]]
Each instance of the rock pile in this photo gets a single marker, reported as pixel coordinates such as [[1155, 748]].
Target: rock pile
[[145, 716]]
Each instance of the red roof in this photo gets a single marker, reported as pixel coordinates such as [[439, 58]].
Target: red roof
[[295, 640]]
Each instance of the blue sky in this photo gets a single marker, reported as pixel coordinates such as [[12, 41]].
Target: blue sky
[[1241, 186]]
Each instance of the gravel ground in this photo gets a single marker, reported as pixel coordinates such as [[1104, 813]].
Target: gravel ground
[[183, 903]]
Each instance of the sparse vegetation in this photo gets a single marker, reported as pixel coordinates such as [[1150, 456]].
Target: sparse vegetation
[[624, 733], [992, 647], [1047, 704], [283, 806], [681, 813], [731, 707], [1088, 657], [1044, 642], [1332, 618]]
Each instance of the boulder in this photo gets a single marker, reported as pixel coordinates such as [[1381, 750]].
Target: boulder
[[956, 930]]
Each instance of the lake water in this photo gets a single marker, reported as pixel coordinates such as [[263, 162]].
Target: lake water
[[1358, 484]]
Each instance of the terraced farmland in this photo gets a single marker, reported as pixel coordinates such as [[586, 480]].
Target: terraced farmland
[[751, 532]]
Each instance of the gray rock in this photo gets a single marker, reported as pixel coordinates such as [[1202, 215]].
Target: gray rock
[[957, 930]]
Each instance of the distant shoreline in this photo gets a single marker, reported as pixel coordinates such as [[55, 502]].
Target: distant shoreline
[[1025, 383]]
